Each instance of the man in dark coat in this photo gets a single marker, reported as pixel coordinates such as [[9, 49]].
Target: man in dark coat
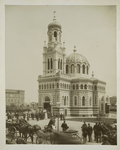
[[51, 123], [89, 131], [105, 140], [64, 126], [95, 130], [98, 132], [84, 131]]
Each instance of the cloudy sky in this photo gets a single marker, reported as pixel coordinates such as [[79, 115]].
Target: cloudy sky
[[92, 29]]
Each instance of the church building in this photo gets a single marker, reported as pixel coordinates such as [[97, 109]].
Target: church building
[[66, 83]]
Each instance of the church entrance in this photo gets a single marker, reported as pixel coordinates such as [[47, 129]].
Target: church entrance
[[46, 104]]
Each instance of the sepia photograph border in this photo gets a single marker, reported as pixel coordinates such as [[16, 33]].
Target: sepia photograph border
[[3, 145]]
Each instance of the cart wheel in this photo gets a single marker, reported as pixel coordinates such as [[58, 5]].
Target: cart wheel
[[39, 140]]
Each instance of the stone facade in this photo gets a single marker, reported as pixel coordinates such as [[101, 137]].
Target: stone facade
[[66, 80], [16, 97]]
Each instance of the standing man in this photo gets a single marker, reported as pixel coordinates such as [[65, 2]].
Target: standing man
[[64, 126], [95, 131], [89, 132], [98, 132], [84, 131]]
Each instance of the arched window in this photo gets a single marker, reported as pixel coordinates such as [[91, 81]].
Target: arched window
[[81, 86], [65, 86], [57, 85], [73, 87], [90, 101], [48, 64], [95, 100], [59, 37], [66, 69], [42, 86], [95, 87], [60, 85], [62, 100], [75, 101], [50, 36], [65, 101], [39, 86], [87, 69], [83, 68], [47, 86], [53, 85], [76, 86], [55, 35], [51, 63], [78, 68], [50, 85], [61, 64], [85, 86], [72, 68], [83, 101]]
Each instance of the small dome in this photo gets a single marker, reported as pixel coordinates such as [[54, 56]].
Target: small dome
[[54, 24], [76, 57]]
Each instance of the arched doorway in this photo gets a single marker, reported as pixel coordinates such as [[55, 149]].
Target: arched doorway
[[46, 104]]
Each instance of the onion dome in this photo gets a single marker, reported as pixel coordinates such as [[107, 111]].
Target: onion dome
[[54, 23], [76, 58]]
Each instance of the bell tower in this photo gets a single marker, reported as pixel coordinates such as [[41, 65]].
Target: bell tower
[[54, 57], [54, 32]]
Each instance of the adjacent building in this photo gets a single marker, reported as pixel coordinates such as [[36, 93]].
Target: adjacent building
[[16, 97], [66, 80]]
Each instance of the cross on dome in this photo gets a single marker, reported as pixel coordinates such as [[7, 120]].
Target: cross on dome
[[92, 74], [74, 49], [54, 18]]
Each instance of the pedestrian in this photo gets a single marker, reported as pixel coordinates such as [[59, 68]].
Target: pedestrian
[[64, 126], [89, 132], [98, 132], [95, 130], [84, 132], [105, 140], [51, 124]]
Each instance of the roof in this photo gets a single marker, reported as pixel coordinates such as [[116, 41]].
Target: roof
[[76, 57]]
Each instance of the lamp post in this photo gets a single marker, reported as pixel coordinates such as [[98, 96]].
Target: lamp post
[[58, 106], [51, 103]]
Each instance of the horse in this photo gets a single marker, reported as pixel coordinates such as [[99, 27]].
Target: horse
[[27, 130]]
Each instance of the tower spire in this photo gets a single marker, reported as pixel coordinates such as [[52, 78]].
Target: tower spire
[[54, 18]]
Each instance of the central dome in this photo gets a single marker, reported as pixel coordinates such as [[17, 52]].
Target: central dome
[[76, 57]]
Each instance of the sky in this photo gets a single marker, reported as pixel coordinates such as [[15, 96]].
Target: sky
[[92, 29]]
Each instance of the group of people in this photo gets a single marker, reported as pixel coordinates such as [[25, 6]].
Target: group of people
[[51, 124], [97, 128]]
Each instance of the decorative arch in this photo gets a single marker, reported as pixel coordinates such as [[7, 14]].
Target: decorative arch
[[85, 86], [78, 68], [95, 87], [66, 69], [83, 101], [72, 68], [55, 35], [81, 86], [83, 69], [77, 86], [87, 70]]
